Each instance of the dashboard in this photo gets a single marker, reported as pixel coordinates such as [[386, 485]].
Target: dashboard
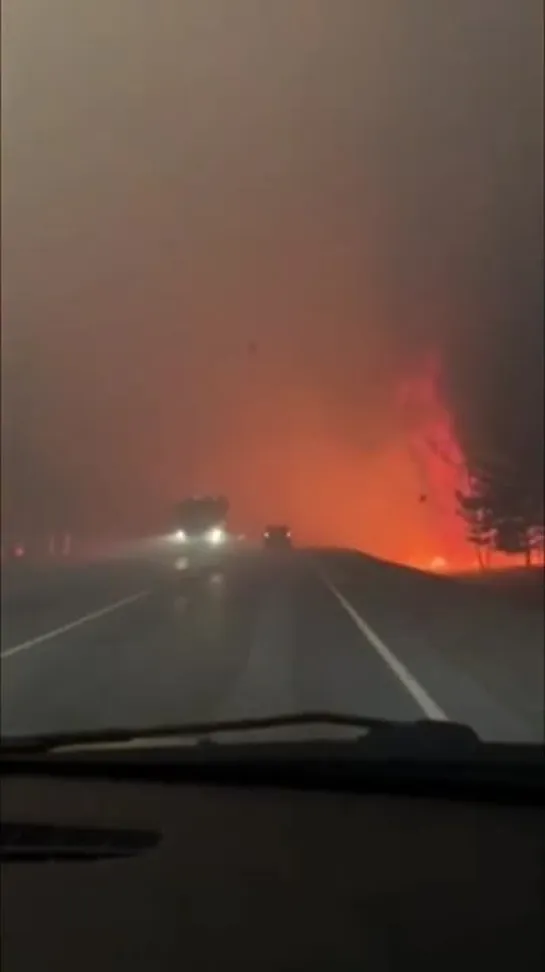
[[265, 879]]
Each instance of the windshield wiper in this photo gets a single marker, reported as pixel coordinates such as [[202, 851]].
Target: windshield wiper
[[420, 732]]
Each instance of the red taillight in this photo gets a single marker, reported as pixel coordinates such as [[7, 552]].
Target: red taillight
[[19, 551]]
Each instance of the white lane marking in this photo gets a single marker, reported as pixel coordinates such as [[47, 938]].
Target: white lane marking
[[48, 635], [409, 682]]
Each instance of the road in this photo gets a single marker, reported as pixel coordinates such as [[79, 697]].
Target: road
[[130, 642]]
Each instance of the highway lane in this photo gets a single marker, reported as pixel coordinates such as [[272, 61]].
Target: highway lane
[[42, 597], [132, 643], [479, 650]]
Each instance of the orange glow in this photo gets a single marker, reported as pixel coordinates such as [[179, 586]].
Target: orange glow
[[295, 461], [378, 474]]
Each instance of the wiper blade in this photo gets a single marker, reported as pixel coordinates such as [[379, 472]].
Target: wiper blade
[[204, 731]]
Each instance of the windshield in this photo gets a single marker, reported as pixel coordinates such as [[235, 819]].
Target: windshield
[[272, 263]]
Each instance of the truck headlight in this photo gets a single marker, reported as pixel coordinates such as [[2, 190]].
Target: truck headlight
[[180, 536], [215, 536]]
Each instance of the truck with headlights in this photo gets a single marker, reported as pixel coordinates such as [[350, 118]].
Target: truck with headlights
[[200, 532]]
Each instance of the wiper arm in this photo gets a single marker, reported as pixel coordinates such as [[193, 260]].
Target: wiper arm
[[439, 733]]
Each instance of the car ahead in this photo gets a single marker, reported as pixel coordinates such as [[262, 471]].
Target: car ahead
[[277, 537]]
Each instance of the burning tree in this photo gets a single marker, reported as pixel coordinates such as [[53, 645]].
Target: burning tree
[[499, 500], [478, 507]]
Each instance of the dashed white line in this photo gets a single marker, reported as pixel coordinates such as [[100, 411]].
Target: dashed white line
[[410, 683], [63, 629]]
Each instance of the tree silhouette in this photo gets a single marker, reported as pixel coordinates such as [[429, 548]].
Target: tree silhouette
[[501, 513]]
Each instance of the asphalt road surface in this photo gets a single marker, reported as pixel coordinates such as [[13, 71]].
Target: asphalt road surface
[[131, 642]]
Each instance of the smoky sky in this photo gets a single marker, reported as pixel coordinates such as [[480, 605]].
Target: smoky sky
[[231, 228]]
